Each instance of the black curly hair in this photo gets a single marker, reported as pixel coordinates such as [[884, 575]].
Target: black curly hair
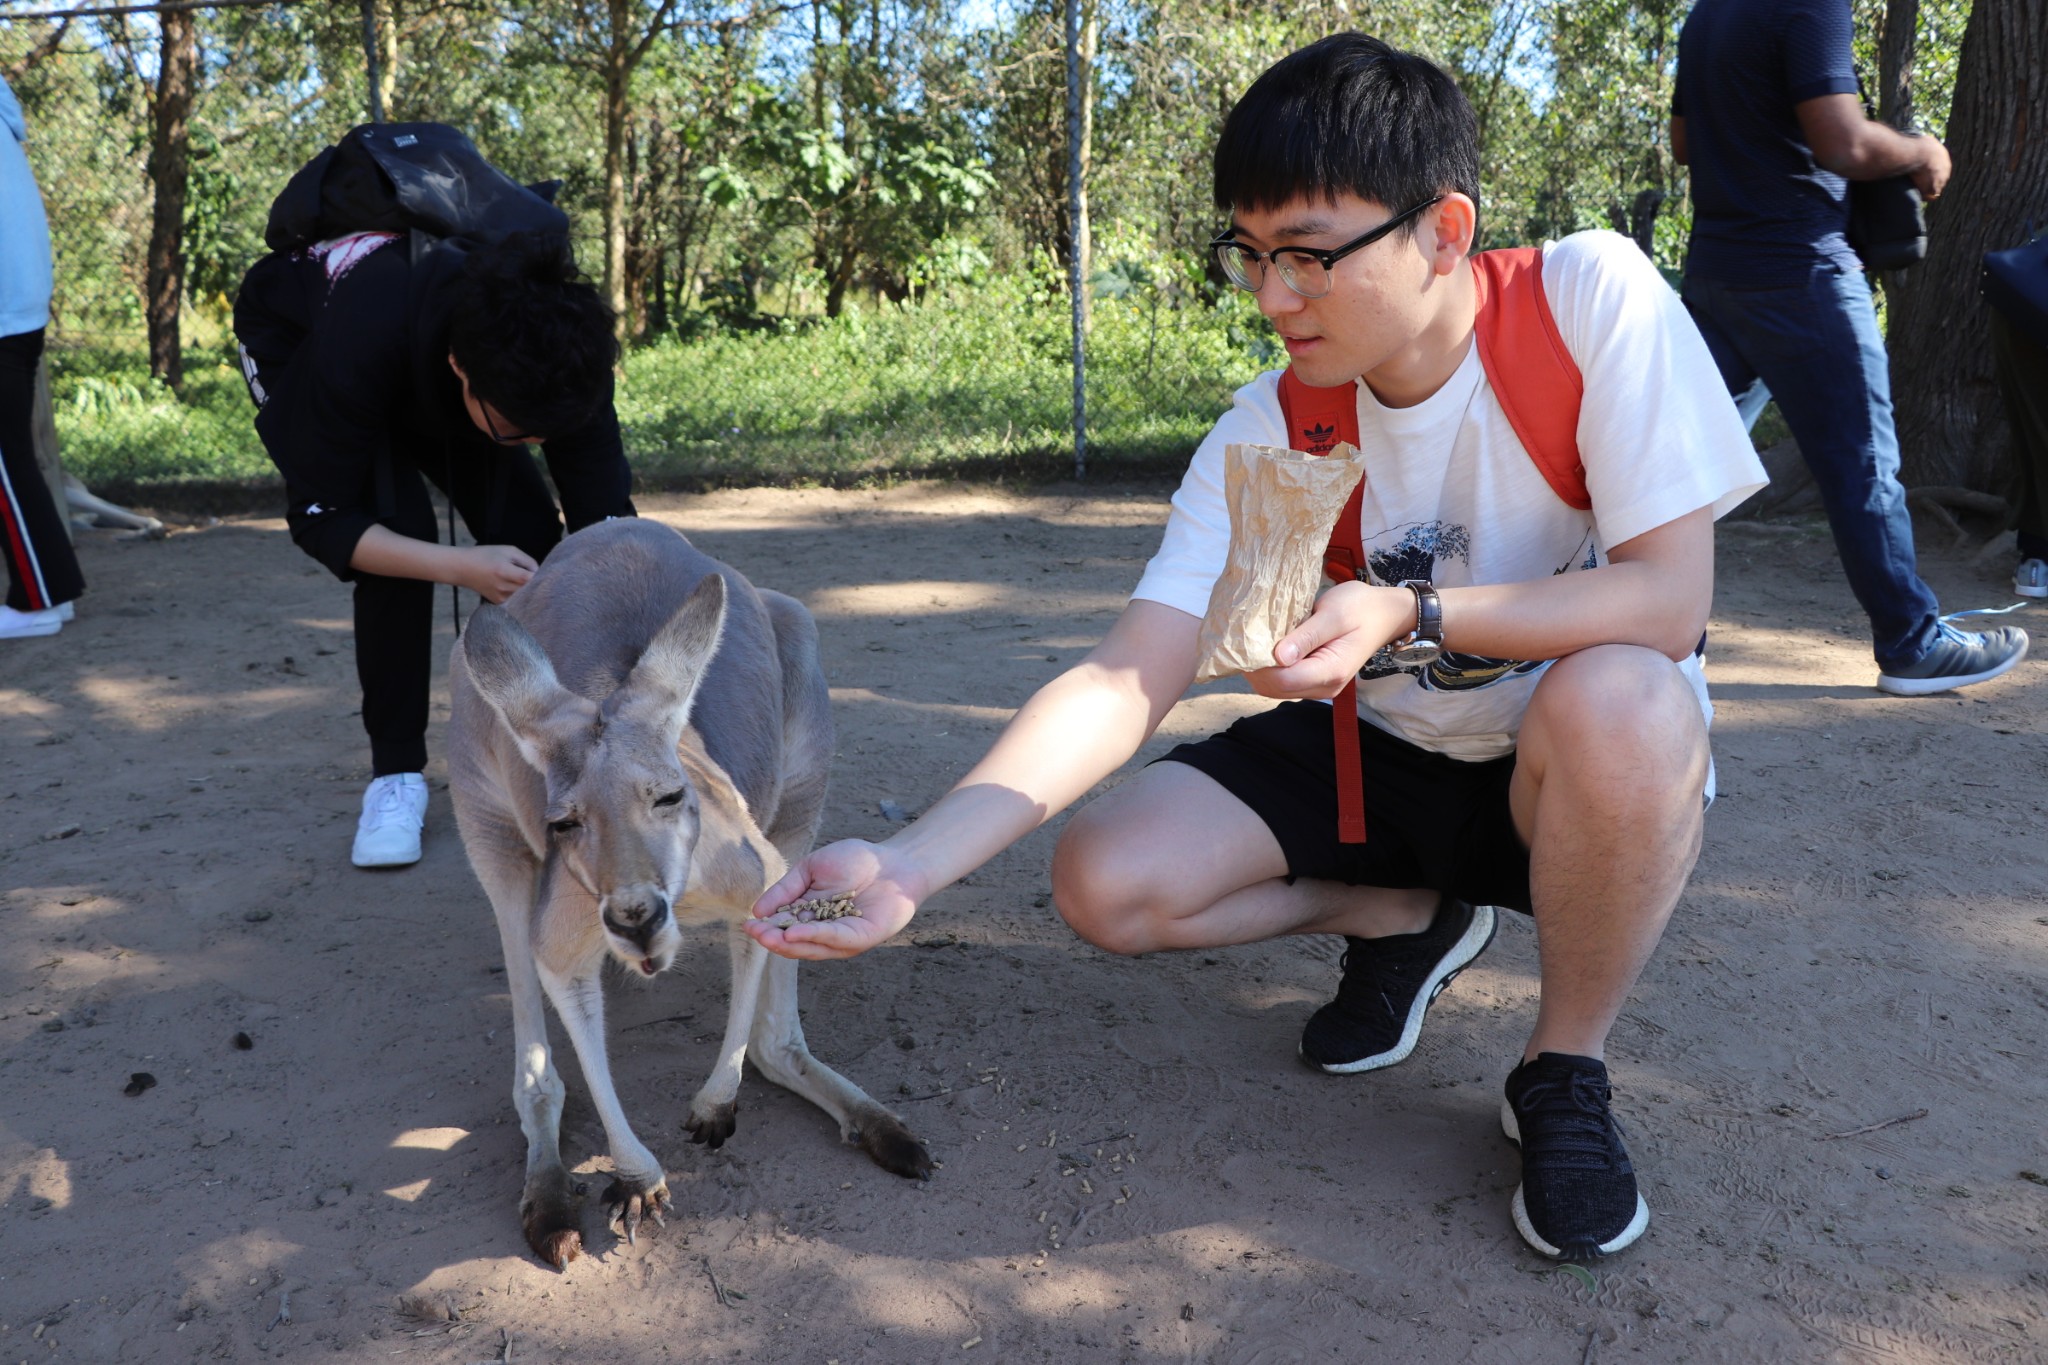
[[532, 334]]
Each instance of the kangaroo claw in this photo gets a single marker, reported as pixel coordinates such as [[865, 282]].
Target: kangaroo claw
[[626, 1202]]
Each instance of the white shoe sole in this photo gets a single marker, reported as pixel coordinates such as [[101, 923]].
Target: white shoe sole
[[2028, 591], [1479, 933], [1520, 1208], [1927, 687], [384, 862], [32, 632], [395, 858]]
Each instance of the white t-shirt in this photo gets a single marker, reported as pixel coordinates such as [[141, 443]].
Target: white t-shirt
[[1452, 497]]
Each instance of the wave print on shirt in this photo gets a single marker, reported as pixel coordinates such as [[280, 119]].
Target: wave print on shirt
[[1414, 556], [1416, 553]]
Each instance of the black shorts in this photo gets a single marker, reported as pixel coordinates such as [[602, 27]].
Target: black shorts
[[1430, 821]]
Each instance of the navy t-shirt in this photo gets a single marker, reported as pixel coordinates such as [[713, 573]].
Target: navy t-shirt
[[1763, 212]]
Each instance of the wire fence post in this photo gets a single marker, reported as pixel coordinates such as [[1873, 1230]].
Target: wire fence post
[[370, 61], [1077, 211]]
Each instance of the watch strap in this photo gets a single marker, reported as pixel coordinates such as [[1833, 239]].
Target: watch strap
[[1429, 612]]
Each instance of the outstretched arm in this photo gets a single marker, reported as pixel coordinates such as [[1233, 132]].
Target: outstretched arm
[[1076, 730]]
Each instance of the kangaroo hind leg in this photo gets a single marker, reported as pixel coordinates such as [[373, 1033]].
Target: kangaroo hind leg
[[783, 1057]]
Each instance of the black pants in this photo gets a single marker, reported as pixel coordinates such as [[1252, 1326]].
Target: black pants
[[504, 501], [42, 570], [2023, 379]]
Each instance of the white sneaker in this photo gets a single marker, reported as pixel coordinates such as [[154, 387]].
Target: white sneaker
[[20, 625], [394, 808]]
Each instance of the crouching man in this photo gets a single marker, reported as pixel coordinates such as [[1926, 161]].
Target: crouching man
[[1552, 759]]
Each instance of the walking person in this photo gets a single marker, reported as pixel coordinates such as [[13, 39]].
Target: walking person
[[1768, 118], [43, 577]]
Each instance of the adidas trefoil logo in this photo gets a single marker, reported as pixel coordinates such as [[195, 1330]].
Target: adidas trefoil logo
[[1320, 439]]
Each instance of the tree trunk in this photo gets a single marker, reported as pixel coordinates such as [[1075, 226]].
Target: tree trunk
[[618, 79], [1084, 161], [634, 258], [1950, 427], [840, 268], [164, 278], [388, 19], [1895, 62]]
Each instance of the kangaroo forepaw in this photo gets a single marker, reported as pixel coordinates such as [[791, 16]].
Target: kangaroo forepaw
[[627, 1200], [550, 1217], [712, 1124], [892, 1147]]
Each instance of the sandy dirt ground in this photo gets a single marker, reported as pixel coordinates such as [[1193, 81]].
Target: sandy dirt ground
[[1133, 1164]]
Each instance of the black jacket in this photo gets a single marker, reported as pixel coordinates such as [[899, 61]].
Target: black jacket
[[349, 368]]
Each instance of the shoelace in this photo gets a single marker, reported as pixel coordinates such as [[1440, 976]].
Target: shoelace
[[1566, 1113], [1377, 976], [388, 801], [1948, 627]]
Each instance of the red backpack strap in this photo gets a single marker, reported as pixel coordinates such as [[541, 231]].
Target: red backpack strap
[[1533, 375], [1317, 419]]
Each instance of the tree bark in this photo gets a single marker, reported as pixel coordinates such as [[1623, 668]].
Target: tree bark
[[388, 20], [1084, 232], [1950, 428], [1895, 62], [164, 277], [619, 60]]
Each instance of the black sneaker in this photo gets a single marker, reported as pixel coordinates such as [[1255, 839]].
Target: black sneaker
[[1578, 1196], [1387, 987]]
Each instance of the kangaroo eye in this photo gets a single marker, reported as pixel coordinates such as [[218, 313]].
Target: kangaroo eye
[[674, 798], [568, 826]]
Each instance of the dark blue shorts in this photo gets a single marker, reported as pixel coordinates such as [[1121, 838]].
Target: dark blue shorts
[[1430, 821]]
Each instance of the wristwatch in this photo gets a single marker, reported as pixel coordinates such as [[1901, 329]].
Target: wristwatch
[[1423, 645]]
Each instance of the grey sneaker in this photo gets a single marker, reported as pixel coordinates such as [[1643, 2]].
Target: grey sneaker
[[2030, 579], [1958, 659]]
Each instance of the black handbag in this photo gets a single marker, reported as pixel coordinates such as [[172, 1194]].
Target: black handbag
[[2016, 284], [1887, 223]]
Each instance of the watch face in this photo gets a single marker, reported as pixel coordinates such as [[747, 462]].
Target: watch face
[[1416, 653]]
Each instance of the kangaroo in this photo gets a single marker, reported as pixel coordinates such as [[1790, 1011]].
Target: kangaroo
[[641, 739]]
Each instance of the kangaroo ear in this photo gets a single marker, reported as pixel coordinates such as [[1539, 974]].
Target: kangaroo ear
[[663, 684], [509, 670]]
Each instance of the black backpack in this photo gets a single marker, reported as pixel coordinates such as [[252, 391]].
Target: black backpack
[[2016, 284], [399, 177]]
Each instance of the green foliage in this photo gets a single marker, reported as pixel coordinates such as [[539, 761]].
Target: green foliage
[[844, 223], [117, 427], [961, 381], [958, 380]]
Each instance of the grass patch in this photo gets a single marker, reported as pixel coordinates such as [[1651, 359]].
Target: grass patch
[[940, 388]]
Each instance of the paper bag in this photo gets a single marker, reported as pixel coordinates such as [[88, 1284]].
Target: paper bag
[[1283, 505]]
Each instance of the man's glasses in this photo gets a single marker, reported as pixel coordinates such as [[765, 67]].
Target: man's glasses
[[1303, 269]]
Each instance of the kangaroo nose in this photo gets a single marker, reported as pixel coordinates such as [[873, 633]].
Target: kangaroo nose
[[636, 918]]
